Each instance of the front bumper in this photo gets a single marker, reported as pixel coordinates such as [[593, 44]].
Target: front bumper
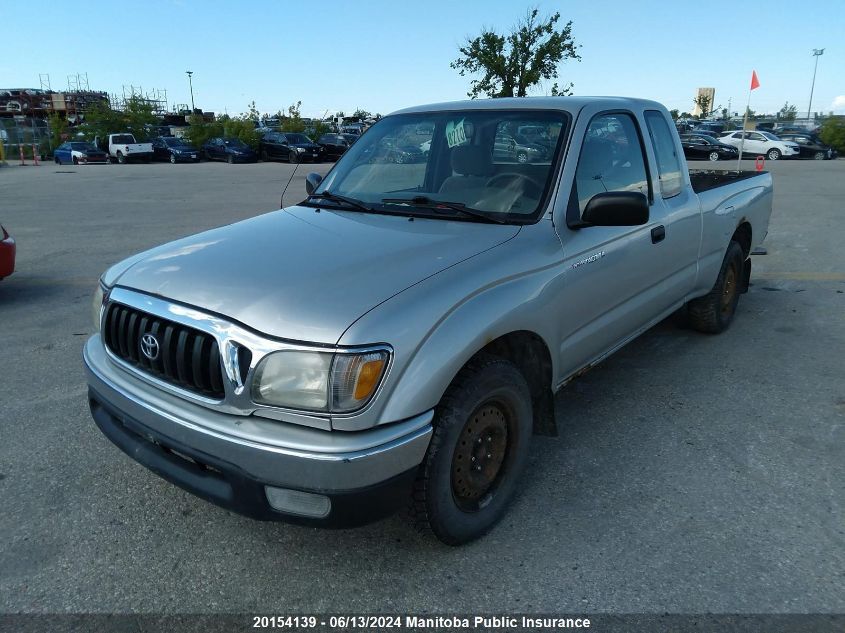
[[7, 254], [366, 475]]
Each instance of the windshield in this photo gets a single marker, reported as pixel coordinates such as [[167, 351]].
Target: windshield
[[297, 138], [172, 141], [473, 159], [770, 136], [235, 142], [84, 147]]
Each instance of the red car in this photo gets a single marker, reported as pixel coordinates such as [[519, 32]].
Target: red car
[[7, 254]]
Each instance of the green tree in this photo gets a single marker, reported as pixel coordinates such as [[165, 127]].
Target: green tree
[[512, 64], [135, 117], [703, 103], [293, 121], [58, 130], [361, 114], [788, 112], [674, 114], [833, 133]]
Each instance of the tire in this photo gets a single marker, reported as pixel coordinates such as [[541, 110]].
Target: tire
[[522, 157], [714, 312], [121, 158], [293, 158], [56, 160], [173, 159], [486, 408], [207, 155], [819, 156], [264, 155], [713, 156], [230, 159], [773, 154]]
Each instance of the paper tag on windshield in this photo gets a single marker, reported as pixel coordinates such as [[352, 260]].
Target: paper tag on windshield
[[455, 133]]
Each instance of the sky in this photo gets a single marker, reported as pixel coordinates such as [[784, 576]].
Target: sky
[[385, 55]]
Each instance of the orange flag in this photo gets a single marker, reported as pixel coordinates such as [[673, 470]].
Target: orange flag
[[755, 83]]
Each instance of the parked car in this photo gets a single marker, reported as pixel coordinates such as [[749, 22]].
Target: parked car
[[510, 148], [761, 143], [290, 146], [7, 253], [79, 153], [710, 128], [330, 368], [704, 147], [809, 146], [175, 149], [124, 148], [232, 150], [335, 145], [393, 150]]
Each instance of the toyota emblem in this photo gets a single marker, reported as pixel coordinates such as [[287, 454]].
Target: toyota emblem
[[149, 346]]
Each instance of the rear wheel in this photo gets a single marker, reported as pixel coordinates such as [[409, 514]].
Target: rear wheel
[[56, 160], [264, 155], [819, 156], [173, 159], [713, 156], [479, 448], [774, 154], [230, 159], [293, 157], [522, 157], [714, 312], [121, 158]]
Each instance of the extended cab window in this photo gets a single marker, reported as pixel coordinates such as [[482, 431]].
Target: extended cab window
[[611, 158], [668, 165]]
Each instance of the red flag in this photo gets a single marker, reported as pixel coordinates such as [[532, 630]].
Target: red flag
[[755, 83]]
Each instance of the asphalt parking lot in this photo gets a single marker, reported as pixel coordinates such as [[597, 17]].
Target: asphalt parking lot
[[692, 473]]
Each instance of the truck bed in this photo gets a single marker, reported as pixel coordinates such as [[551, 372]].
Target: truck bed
[[703, 180]]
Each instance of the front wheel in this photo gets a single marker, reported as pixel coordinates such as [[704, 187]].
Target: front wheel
[[293, 157], [479, 448], [714, 156], [819, 156], [522, 157], [774, 154], [173, 159], [56, 160], [230, 159], [714, 312]]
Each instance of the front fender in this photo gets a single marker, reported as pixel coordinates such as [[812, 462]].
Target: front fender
[[436, 326]]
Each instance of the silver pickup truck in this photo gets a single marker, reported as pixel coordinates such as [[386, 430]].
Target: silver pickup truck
[[397, 337]]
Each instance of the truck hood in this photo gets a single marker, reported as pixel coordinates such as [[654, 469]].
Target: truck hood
[[303, 274]]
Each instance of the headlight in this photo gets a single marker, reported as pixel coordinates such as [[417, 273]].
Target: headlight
[[319, 381], [300, 149], [97, 304]]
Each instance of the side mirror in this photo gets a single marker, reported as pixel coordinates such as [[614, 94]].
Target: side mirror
[[616, 208], [312, 181]]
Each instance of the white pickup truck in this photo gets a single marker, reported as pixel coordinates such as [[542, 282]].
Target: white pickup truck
[[124, 147]]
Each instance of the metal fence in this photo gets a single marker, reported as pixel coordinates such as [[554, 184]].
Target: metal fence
[[18, 133]]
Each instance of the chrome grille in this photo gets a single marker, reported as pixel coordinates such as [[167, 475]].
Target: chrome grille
[[186, 357]]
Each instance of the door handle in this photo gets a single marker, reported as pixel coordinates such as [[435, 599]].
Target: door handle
[[658, 233]]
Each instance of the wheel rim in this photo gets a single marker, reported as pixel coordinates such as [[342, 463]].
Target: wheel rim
[[173, 158], [521, 158], [714, 156], [729, 290], [774, 155], [819, 156], [477, 465]]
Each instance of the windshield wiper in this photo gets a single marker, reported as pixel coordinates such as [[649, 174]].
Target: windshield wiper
[[428, 203], [351, 202]]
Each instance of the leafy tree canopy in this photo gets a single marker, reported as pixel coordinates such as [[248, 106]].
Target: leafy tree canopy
[[513, 63]]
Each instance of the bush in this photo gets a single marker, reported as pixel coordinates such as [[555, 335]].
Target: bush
[[833, 133], [199, 132]]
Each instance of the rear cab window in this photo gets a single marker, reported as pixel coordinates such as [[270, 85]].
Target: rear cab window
[[668, 164]]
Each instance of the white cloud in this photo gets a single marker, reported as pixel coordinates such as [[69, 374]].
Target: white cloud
[[838, 105]]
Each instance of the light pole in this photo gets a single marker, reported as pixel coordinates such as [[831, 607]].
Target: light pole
[[817, 52], [191, 84]]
